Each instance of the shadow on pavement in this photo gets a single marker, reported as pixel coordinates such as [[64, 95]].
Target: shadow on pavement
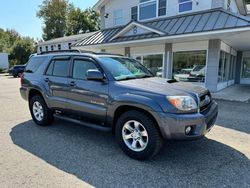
[[95, 158]]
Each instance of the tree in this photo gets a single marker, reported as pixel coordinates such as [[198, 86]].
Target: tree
[[81, 21], [54, 13], [21, 50]]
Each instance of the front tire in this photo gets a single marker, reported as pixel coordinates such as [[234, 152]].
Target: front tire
[[40, 113], [138, 135]]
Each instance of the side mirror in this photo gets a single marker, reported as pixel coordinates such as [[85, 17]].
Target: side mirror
[[94, 75]]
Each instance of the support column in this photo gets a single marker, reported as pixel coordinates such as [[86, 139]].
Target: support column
[[213, 58], [127, 51], [168, 61], [238, 67]]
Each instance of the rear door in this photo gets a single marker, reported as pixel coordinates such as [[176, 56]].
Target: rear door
[[87, 98], [56, 81]]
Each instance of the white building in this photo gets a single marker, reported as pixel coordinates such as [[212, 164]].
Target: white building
[[202, 41], [63, 43], [4, 60]]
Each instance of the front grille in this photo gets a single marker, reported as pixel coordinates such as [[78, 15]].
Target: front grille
[[205, 101]]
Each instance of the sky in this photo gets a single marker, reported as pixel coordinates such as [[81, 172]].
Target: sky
[[21, 15]]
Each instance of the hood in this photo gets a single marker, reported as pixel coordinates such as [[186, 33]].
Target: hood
[[164, 86]]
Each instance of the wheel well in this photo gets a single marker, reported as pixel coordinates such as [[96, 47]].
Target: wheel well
[[122, 109], [34, 92]]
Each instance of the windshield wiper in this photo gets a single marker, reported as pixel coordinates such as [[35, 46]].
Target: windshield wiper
[[127, 78], [145, 76]]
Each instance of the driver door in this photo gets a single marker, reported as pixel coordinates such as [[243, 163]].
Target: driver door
[[87, 98]]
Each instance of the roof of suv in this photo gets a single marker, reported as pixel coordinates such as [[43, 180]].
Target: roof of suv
[[75, 52]]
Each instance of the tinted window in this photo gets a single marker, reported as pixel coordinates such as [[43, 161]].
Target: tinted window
[[50, 69], [34, 63], [61, 68], [81, 67]]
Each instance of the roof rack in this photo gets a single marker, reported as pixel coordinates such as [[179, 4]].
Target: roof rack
[[76, 51], [59, 51]]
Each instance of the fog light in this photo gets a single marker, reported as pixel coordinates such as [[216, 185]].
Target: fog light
[[188, 130]]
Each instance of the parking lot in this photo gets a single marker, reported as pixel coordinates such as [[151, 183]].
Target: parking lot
[[70, 155]]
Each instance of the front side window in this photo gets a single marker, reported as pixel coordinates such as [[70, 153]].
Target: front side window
[[185, 5], [81, 68], [118, 17], [147, 9], [61, 68], [125, 68]]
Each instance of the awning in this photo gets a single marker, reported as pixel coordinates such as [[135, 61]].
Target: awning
[[209, 24]]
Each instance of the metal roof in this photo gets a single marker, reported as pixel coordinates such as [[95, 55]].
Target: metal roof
[[71, 38], [209, 20]]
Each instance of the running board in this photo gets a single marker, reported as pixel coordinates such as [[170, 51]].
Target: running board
[[86, 124]]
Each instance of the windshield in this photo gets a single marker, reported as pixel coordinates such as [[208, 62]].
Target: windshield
[[125, 68]]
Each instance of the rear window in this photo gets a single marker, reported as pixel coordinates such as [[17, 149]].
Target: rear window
[[34, 63]]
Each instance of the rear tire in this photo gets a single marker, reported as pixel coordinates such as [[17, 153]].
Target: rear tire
[[39, 111], [138, 135]]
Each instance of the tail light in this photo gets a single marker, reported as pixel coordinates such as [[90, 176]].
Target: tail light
[[22, 79]]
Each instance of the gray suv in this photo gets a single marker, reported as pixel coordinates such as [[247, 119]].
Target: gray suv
[[115, 93]]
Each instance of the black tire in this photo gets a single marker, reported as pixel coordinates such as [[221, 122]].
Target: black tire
[[154, 137], [47, 113]]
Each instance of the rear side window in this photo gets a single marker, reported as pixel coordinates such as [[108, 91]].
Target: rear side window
[[34, 63], [59, 68]]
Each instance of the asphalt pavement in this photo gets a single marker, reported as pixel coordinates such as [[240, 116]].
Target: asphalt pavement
[[70, 155]]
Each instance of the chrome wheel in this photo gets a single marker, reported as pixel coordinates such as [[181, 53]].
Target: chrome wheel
[[38, 111], [135, 135]]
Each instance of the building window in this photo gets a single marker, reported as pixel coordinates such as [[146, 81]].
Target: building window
[[147, 9], [189, 66], [232, 67], [41, 49], [52, 47], [69, 45], [223, 74], [118, 17], [59, 46], [47, 49], [134, 13], [246, 68], [153, 62], [162, 8], [185, 5]]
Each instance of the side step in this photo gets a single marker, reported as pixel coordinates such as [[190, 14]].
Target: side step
[[86, 124]]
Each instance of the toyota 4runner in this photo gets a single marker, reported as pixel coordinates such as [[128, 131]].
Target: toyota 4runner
[[115, 93]]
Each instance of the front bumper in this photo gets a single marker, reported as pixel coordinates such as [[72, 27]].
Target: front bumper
[[173, 126]]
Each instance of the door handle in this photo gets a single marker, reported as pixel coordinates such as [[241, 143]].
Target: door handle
[[46, 79], [72, 84]]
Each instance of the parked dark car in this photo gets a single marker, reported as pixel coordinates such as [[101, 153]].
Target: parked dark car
[[17, 70], [115, 93]]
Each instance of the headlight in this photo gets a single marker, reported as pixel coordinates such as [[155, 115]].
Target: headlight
[[183, 103]]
